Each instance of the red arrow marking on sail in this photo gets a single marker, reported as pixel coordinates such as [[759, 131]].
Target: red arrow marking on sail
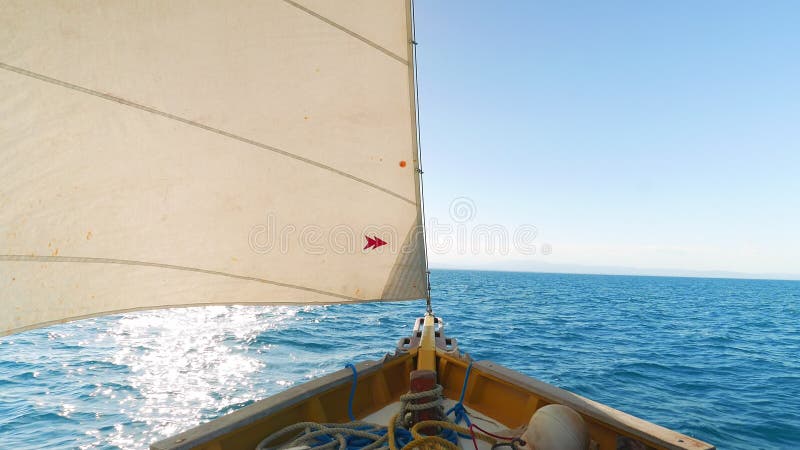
[[374, 242]]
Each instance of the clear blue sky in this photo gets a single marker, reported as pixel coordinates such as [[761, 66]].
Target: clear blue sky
[[635, 134]]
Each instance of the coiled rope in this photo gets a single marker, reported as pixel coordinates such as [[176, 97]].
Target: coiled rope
[[368, 436], [407, 407], [358, 435], [397, 435]]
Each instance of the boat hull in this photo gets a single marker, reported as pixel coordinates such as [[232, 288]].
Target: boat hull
[[492, 390]]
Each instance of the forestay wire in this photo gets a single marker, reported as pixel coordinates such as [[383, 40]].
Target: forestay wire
[[428, 306]]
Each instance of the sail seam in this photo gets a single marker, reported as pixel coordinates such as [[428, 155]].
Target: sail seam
[[202, 126], [348, 31], [128, 262]]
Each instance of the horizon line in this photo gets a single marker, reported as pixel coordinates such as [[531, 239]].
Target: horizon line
[[699, 274]]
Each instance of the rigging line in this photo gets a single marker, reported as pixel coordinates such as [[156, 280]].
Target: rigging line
[[413, 44], [128, 262], [202, 126], [348, 31]]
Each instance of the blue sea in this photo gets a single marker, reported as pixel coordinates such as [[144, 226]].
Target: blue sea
[[717, 359]]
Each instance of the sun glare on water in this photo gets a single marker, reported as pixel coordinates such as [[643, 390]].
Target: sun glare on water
[[129, 380], [183, 367]]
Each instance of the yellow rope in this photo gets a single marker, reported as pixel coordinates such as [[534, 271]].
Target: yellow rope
[[431, 443], [423, 442]]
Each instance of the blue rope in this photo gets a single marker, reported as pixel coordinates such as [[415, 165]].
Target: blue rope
[[451, 435], [458, 409], [352, 392], [402, 437]]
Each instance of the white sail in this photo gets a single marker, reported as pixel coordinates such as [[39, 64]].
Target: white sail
[[157, 154]]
